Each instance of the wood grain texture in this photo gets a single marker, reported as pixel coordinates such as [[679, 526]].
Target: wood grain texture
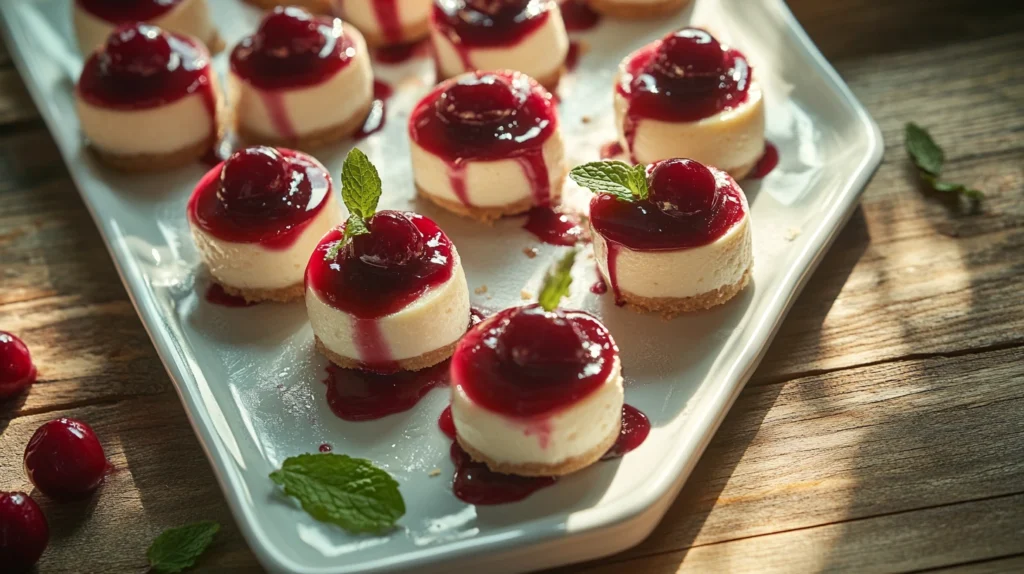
[[884, 430]]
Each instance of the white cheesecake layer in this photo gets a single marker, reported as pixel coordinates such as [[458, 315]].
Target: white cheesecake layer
[[412, 15], [550, 440], [539, 55], [190, 17], [436, 319], [253, 266], [681, 273], [152, 131], [308, 109], [730, 140], [488, 183]]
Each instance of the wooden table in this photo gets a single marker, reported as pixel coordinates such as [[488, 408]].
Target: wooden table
[[884, 430]]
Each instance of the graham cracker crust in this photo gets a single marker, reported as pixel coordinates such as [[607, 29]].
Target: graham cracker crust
[[568, 466], [428, 359], [634, 11], [489, 214], [145, 162], [311, 140], [282, 295], [670, 307], [410, 34], [314, 6], [215, 43]]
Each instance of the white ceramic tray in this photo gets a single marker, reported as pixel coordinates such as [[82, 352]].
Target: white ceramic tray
[[251, 381]]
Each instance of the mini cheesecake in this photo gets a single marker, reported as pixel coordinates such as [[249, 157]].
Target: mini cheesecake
[[687, 95], [257, 216], [524, 35], [537, 393], [638, 9], [300, 81], [390, 300], [388, 22], [148, 99], [685, 248], [95, 20], [487, 144]]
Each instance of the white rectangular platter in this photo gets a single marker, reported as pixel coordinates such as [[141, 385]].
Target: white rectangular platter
[[250, 379]]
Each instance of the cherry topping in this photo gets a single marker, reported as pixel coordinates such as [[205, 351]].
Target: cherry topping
[[477, 101], [690, 52], [393, 242], [524, 350], [288, 31], [24, 532], [252, 173], [495, 7], [138, 49], [682, 187], [16, 369], [64, 459]]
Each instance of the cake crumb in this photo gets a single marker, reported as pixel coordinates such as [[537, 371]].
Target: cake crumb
[[480, 290], [792, 233], [585, 119], [435, 472], [530, 252], [525, 295]]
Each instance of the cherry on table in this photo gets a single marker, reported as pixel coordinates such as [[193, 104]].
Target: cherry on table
[[690, 52], [139, 49], [24, 532], [65, 460], [393, 241], [682, 187], [290, 31], [17, 372]]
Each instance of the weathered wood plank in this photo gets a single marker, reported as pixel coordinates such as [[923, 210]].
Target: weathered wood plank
[[997, 566]]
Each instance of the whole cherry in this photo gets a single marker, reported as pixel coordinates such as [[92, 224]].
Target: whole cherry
[[393, 242], [65, 460], [538, 342], [479, 101], [252, 173], [138, 49], [690, 52], [290, 31], [17, 372], [682, 187], [24, 532]]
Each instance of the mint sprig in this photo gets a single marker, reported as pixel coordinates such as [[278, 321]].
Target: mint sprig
[[557, 282], [360, 191], [929, 159], [617, 178], [177, 549], [349, 492]]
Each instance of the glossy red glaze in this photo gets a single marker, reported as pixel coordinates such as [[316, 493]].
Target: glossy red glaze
[[488, 116], [260, 195], [472, 24], [400, 53], [572, 58], [24, 532], [578, 15], [17, 371], [599, 287], [119, 11], [377, 117], [363, 396], [292, 49], [386, 12], [216, 295], [476, 484], [142, 67], [635, 428], [768, 162], [554, 227], [611, 149], [65, 460], [524, 362], [446, 423]]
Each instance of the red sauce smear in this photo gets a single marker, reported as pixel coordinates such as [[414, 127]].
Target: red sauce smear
[[768, 162], [554, 227]]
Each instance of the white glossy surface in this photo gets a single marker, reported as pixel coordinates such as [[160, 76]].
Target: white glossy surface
[[250, 379]]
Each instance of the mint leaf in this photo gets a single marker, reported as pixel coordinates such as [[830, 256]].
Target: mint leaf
[[360, 184], [557, 282], [948, 187], [613, 177], [355, 225], [178, 548], [926, 154], [349, 492]]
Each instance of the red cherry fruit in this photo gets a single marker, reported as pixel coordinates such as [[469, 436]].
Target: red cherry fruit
[[139, 50], [24, 532], [690, 52], [252, 173], [477, 101], [393, 242], [17, 372], [290, 31], [682, 187], [538, 342], [64, 459]]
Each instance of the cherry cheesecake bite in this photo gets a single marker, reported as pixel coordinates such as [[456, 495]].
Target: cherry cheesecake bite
[[95, 20]]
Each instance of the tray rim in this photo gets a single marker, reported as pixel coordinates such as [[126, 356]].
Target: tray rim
[[629, 519]]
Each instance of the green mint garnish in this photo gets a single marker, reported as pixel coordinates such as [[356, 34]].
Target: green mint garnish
[[349, 492], [360, 191], [557, 282], [929, 159], [178, 548], [625, 182]]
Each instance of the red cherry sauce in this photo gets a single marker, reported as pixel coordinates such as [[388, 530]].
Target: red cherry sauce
[[378, 110], [685, 77], [611, 149], [400, 53], [635, 428], [386, 12], [65, 460], [488, 116], [768, 162], [216, 295], [572, 58], [688, 207], [260, 195], [554, 227], [600, 287], [291, 49], [380, 273], [24, 533], [17, 371], [119, 11], [578, 15], [470, 24], [142, 67]]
